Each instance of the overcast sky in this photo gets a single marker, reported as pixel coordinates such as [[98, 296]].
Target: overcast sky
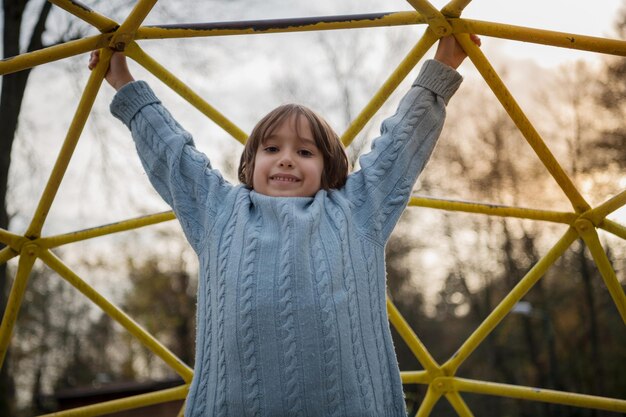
[[573, 16], [223, 82]]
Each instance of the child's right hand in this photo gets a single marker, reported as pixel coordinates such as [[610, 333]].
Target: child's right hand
[[450, 52], [118, 74]]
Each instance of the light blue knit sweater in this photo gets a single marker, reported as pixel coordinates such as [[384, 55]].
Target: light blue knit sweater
[[291, 299]]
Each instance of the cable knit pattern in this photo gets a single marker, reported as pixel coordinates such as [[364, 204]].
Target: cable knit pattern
[[287, 324], [375, 309], [220, 400], [292, 313], [360, 364], [330, 355], [407, 139], [372, 177], [204, 366], [247, 323], [397, 198]]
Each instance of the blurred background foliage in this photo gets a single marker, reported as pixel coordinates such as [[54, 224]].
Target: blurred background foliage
[[446, 271]]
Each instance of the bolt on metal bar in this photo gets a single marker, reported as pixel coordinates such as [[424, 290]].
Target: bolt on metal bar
[[435, 20], [122, 226], [389, 86], [169, 79], [509, 301], [523, 124], [25, 265], [493, 209], [126, 32], [71, 139], [118, 315], [539, 394], [85, 13], [123, 404]]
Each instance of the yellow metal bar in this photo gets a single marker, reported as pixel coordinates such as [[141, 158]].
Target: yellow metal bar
[[411, 339], [10, 239], [71, 139], [6, 254], [493, 209], [415, 377], [400, 73], [461, 408], [454, 8], [540, 36], [136, 53], [522, 122], [590, 236], [509, 301], [27, 259], [613, 227], [434, 18], [54, 241], [126, 32], [430, 399], [83, 12], [118, 315], [537, 394], [599, 213], [128, 403], [260, 27], [52, 53]]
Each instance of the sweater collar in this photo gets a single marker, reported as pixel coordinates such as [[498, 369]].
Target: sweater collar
[[278, 203]]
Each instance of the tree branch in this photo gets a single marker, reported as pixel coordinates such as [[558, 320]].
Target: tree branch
[[36, 39]]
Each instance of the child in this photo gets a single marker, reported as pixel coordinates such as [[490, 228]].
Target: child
[[291, 314]]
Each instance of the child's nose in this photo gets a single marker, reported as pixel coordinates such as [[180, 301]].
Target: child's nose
[[286, 161]]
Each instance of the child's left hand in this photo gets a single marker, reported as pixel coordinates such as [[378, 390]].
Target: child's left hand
[[450, 52]]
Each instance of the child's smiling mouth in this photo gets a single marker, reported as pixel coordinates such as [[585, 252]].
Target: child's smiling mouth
[[284, 178]]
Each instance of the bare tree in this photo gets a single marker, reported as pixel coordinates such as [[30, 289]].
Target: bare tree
[[38, 23], [11, 96]]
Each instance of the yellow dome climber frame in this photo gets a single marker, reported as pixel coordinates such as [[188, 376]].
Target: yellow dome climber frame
[[583, 220]]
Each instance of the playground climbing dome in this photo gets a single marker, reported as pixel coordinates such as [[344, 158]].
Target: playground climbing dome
[[441, 378]]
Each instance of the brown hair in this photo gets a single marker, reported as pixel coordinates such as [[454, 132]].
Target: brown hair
[[327, 141]]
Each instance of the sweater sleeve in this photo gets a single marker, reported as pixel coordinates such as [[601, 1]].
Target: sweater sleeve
[[381, 189], [181, 174]]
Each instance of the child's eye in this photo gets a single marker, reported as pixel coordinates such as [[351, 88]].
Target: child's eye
[[305, 152], [271, 149]]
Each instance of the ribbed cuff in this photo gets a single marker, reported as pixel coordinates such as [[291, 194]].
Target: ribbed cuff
[[439, 78], [130, 99]]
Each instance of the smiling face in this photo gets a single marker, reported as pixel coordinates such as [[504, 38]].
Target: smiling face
[[288, 163]]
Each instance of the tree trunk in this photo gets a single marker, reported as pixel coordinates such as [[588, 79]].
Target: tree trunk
[[592, 314], [13, 86], [11, 97]]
